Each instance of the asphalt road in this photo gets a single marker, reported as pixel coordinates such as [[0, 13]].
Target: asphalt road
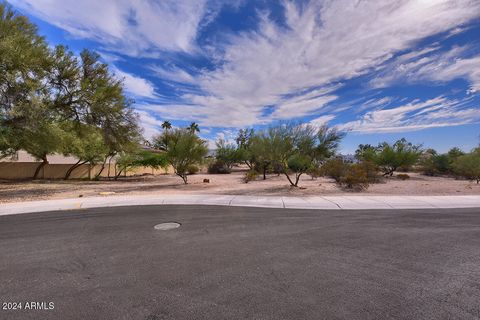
[[241, 263]]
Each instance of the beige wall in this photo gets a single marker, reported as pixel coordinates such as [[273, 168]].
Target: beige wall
[[25, 170]]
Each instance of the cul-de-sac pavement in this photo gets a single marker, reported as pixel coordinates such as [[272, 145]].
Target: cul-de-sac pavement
[[241, 261]]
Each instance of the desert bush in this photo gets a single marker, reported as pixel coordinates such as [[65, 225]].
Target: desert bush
[[432, 163], [193, 169], [468, 165], [314, 171], [250, 175], [427, 163], [403, 176], [218, 167], [354, 178], [334, 168], [371, 170]]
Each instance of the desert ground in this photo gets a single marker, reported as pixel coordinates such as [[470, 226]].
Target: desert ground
[[231, 184]]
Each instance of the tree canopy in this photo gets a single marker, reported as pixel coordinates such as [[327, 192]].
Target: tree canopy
[[48, 95], [183, 150]]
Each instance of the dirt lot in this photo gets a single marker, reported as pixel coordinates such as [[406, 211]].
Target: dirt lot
[[228, 184]]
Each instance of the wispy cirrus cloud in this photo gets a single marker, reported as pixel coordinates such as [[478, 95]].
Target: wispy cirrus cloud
[[285, 66], [416, 115], [322, 120], [438, 67], [131, 27], [313, 49]]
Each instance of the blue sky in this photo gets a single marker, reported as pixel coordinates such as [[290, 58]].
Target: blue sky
[[380, 70]]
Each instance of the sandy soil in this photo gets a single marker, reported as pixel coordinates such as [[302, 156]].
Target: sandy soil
[[231, 184]]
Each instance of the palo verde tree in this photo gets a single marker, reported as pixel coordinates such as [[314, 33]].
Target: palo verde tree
[[401, 154], [40, 140], [227, 153], [294, 148], [87, 145], [244, 142], [260, 150], [140, 158], [87, 94], [43, 91], [183, 150], [25, 62], [309, 146]]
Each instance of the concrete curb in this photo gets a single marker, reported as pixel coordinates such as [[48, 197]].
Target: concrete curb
[[318, 202]]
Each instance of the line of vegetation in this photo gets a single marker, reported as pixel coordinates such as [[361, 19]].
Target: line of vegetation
[[55, 102], [297, 149]]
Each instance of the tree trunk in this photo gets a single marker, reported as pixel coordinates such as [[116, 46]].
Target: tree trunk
[[40, 166], [390, 172], [264, 172], [118, 174], [110, 166], [184, 178], [297, 178], [75, 166], [97, 176], [290, 180]]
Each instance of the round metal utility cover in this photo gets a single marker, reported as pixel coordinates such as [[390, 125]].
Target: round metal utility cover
[[167, 226]]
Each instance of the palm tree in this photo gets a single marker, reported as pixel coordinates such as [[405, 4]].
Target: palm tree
[[166, 125], [194, 127]]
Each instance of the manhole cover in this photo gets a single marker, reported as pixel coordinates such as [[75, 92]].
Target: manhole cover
[[167, 226]]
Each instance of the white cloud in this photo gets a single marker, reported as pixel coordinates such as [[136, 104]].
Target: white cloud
[[227, 135], [417, 115], [321, 44], [173, 73], [134, 85], [322, 120], [151, 126], [439, 67], [133, 27], [316, 49]]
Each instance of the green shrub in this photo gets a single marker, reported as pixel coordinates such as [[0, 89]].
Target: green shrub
[[334, 168], [314, 171], [250, 175], [218, 167], [403, 176], [372, 171], [468, 166], [433, 163], [193, 169], [354, 178]]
